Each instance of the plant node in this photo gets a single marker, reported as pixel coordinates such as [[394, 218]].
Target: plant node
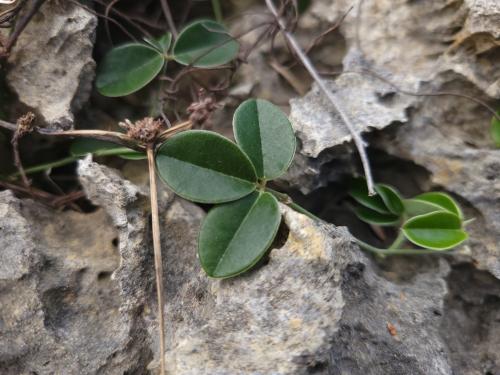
[[145, 131], [25, 124]]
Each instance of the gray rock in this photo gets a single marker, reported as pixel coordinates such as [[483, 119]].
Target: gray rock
[[51, 66]]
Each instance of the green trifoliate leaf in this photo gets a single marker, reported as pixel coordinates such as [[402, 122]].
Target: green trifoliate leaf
[[438, 230], [128, 68], [84, 146], [373, 217], [264, 132], [391, 198], [495, 130], [205, 44], [442, 200], [359, 192], [205, 167], [234, 236]]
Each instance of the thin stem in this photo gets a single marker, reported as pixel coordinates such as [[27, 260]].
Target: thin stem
[[393, 251], [157, 253], [285, 199], [216, 7], [398, 241], [44, 167], [358, 141], [168, 16]]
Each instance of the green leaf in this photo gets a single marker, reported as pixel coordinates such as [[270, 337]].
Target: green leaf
[[414, 207], [438, 230], [162, 44], [264, 132], [84, 146], [128, 68], [359, 192], [234, 236], [205, 167], [442, 200], [495, 130], [205, 44], [373, 217], [391, 198]]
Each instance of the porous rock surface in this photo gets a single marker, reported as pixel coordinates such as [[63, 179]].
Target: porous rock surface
[[51, 67], [78, 298]]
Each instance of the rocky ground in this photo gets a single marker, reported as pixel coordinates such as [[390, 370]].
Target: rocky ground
[[77, 288]]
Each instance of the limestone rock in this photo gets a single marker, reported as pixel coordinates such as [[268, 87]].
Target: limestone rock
[[51, 66]]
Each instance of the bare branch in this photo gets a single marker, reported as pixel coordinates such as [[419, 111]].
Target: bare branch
[[358, 141]]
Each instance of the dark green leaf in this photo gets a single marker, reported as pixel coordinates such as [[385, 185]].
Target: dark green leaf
[[234, 236], [84, 146], [162, 44], [438, 230], [391, 198], [495, 130], [205, 167], [263, 131], [373, 217], [359, 192], [442, 200], [205, 44], [128, 68]]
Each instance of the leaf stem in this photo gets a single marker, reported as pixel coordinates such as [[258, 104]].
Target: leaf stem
[[398, 241], [285, 199], [157, 253], [358, 140], [395, 251], [216, 7]]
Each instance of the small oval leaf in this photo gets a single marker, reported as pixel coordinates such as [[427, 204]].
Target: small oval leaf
[[162, 43], [391, 198], [234, 236], [373, 217], [205, 167], [205, 44], [438, 230], [442, 200], [359, 192], [264, 132], [128, 68], [414, 207]]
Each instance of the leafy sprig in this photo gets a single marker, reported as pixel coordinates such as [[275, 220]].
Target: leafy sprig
[[130, 67], [432, 221]]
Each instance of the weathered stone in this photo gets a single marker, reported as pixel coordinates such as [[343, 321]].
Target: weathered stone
[[51, 65]]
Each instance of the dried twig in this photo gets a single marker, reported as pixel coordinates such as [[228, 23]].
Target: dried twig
[[157, 253], [21, 25], [358, 141]]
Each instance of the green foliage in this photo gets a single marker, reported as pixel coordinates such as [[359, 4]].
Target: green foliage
[[205, 44], [263, 131], [433, 221], [206, 167], [130, 67], [235, 235], [438, 230], [84, 146], [495, 130]]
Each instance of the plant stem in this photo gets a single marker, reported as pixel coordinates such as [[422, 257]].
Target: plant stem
[[394, 251], [358, 141], [157, 253], [398, 241], [169, 18], [44, 167], [217, 11], [285, 199]]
